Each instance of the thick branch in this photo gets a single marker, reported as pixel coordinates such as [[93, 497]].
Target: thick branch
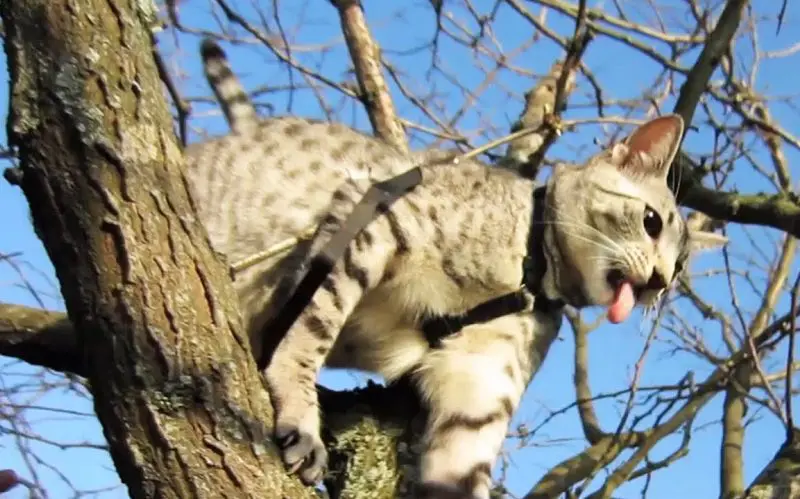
[[734, 408], [540, 102], [39, 337], [780, 211], [373, 430], [731, 470]]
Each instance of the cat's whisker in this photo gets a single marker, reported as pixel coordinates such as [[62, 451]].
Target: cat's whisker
[[584, 225], [593, 242], [613, 245]]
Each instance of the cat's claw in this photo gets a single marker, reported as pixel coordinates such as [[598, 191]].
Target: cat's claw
[[302, 451]]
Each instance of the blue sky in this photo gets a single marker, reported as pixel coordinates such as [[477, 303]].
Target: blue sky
[[613, 349]]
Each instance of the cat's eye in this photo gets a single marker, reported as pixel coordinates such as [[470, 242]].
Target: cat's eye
[[652, 222]]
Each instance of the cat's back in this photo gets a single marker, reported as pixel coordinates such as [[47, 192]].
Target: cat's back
[[255, 189]]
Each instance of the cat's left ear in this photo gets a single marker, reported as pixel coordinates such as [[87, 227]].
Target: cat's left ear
[[650, 149], [700, 240]]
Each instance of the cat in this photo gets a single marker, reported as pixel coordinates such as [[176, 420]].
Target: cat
[[611, 235]]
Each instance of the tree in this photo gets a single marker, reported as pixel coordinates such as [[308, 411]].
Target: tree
[[153, 332]]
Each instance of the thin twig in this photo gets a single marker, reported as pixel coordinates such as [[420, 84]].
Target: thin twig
[[274, 250], [781, 16], [182, 106]]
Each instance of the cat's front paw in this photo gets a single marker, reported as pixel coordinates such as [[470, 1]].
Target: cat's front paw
[[297, 420], [302, 449]]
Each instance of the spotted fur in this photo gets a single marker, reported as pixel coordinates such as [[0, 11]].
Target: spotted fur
[[455, 241]]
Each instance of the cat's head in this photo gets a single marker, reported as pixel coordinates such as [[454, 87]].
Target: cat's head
[[619, 238]]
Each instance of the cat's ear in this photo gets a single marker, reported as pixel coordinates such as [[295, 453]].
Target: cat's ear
[[700, 240], [650, 149]]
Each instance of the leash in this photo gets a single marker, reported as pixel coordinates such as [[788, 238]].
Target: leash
[[378, 199]]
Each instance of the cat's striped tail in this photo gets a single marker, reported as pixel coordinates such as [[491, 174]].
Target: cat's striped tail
[[239, 110]]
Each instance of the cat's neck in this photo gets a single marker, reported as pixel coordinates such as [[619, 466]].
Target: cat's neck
[[535, 263], [548, 271]]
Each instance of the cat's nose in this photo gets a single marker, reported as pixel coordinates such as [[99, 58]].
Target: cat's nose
[[656, 281]]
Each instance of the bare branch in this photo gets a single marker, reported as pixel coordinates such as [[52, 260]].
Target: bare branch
[[540, 102], [780, 211], [40, 337], [580, 40], [366, 57], [591, 425], [716, 45]]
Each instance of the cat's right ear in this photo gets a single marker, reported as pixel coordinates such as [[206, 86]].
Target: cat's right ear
[[650, 149]]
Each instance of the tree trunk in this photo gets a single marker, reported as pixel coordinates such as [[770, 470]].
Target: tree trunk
[[780, 478], [175, 387]]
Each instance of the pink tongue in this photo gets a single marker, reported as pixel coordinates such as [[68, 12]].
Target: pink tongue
[[623, 303]]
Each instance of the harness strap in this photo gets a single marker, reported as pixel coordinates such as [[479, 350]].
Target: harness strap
[[534, 268], [437, 327], [378, 199]]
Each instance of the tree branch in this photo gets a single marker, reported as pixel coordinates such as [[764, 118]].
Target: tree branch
[[780, 478], [715, 47], [366, 57], [540, 102], [734, 406], [779, 211], [591, 425], [40, 337]]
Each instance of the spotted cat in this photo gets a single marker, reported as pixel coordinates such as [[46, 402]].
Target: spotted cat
[[610, 235]]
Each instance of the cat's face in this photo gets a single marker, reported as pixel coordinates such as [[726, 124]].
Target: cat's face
[[617, 221]]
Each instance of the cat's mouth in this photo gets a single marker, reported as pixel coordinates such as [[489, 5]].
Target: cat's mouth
[[616, 278], [626, 294]]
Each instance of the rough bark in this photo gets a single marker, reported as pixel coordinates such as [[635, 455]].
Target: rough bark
[[175, 388], [370, 430], [373, 452]]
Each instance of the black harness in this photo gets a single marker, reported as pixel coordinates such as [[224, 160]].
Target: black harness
[[378, 200]]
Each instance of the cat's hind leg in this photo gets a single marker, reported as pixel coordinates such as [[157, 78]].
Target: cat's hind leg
[[472, 386]]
